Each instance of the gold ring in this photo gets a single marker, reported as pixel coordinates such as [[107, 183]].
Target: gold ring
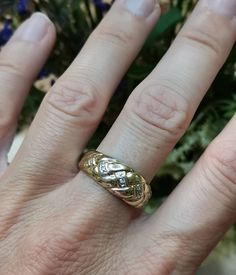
[[119, 179]]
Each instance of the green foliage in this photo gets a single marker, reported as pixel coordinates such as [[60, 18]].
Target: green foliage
[[167, 20], [75, 20]]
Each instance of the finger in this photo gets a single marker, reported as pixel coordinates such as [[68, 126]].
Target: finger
[[20, 62], [73, 108], [202, 208], [159, 110]]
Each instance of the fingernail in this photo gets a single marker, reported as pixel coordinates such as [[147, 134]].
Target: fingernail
[[141, 7], [34, 29], [224, 7]]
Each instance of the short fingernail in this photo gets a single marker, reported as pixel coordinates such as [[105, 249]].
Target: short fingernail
[[141, 7], [34, 29], [224, 7]]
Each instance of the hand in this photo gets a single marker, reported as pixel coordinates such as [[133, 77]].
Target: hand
[[53, 218]]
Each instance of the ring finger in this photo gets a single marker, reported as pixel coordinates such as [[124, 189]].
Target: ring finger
[[160, 109]]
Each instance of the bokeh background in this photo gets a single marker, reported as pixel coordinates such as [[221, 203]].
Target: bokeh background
[[75, 20]]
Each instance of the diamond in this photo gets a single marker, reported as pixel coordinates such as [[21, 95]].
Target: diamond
[[103, 168], [138, 190], [120, 174]]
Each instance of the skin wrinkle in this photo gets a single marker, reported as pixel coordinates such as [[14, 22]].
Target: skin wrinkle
[[14, 207], [85, 240], [66, 224], [156, 107], [76, 103]]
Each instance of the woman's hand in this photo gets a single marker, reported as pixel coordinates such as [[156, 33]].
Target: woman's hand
[[56, 220]]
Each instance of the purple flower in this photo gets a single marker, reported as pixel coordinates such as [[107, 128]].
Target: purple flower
[[22, 6], [6, 32], [101, 5], [43, 73]]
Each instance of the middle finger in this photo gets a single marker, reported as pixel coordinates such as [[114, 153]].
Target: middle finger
[[73, 108]]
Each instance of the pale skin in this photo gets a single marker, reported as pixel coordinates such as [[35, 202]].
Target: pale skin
[[53, 218]]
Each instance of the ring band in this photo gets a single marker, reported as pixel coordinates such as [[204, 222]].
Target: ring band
[[119, 179]]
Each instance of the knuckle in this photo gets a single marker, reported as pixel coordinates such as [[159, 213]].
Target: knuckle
[[210, 32], [174, 246], [118, 33], [223, 156], [159, 108], [10, 68], [119, 37], [79, 102], [57, 253], [219, 166], [154, 265], [202, 38], [46, 255]]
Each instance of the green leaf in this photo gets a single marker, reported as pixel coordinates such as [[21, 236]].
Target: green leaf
[[166, 21], [6, 5]]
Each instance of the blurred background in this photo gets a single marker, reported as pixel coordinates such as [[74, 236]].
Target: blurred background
[[75, 20]]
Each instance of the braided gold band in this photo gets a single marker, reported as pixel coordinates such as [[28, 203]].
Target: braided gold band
[[119, 179]]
